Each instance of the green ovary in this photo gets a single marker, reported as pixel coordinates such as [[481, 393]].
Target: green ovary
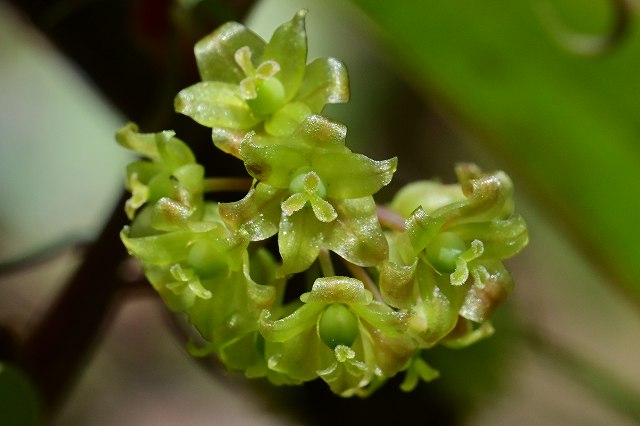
[[269, 96], [444, 250], [207, 259], [338, 326]]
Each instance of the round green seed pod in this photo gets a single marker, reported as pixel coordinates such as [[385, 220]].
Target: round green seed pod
[[338, 326], [444, 250], [269, 96]]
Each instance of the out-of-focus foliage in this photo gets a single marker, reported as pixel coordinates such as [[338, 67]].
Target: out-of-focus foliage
[[569, 125], [19, 402]]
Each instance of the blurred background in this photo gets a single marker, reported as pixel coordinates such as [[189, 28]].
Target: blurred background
[[546, 90]]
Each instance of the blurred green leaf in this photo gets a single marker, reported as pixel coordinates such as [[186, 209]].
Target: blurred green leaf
[[568, 126], [19, 401]]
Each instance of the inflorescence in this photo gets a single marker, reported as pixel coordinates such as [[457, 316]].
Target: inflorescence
[[424, 270]]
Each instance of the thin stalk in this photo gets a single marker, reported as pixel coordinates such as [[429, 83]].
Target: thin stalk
[[360, 273], [227, 184], [326, 265], [390, 219]]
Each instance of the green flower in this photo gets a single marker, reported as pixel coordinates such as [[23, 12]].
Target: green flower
[[250, 84], [340, 335], [197, 265], [448, 263], [203, 271], [314, 192], [167, 172]]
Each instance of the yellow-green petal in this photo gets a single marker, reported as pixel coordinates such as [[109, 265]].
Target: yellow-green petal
[[326, 81], [288, 47], [215, 104], [215, 53]]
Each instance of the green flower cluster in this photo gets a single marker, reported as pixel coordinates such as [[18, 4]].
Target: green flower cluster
[[250, 85], [424, 270]]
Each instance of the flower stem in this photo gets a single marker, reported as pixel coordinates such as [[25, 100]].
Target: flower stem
[[360, 273], [324, 258], [225, 184]]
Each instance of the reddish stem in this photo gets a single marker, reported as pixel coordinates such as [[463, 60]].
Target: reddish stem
[[390, 219]]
